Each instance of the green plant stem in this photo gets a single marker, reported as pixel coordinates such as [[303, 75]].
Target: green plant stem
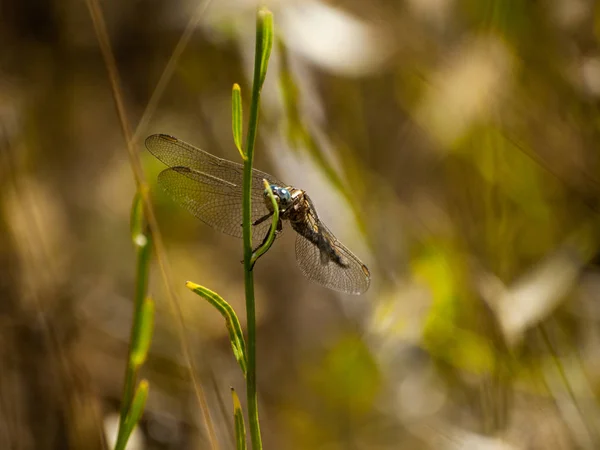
[[131, 371], [272, 231], [252, 397], [259, 69]]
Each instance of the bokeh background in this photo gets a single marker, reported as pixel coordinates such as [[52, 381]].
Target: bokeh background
[[451, 144]]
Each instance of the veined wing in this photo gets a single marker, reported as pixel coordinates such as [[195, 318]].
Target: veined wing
[[209, 187], [354, 278], [216, 202], [176, 153]]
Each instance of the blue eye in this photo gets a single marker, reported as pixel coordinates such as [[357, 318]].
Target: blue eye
[[282, 194]]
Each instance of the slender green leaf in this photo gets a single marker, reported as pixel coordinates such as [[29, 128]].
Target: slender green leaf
[[135, 413], [265, 22], [273, 230], [236, 337], [238, 418], [290, 95], [142, 334], [138, 222], [138, 404], [299, 135], [237, 118]]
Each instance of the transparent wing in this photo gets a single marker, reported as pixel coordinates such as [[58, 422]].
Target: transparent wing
[[353, 279], [176, 153], [216, 202], [209, 187]]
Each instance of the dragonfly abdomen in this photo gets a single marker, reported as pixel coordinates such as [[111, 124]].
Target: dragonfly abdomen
[[328, 252]]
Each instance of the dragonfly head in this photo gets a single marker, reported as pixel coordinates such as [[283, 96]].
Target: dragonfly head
[[282, 195]]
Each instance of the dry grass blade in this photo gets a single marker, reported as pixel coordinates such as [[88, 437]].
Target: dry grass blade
[[170, 69], [113, 76]]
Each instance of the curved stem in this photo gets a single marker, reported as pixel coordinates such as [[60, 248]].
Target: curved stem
[[264, 248]]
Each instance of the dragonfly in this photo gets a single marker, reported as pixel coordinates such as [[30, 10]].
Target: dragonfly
[[210, 188]]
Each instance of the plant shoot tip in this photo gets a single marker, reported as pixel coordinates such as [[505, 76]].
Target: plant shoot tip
[[191, 285], [264, 11]]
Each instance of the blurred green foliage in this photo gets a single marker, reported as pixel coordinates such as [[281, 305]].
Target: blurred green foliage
[[453, 147]]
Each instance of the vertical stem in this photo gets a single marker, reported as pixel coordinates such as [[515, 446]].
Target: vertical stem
[[143, 251], [252, 397]]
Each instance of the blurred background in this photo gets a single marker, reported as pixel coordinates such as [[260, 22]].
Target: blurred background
[[451, 144]]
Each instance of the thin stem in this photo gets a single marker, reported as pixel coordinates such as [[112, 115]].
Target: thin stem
[[142, 187], [143, 245], [262, 50], [272, 231]]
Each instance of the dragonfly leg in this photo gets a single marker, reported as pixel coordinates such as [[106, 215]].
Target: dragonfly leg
[[266, 238], [262, 219], [259, 220]]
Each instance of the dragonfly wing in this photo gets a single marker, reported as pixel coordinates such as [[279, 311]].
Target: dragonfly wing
[[353, 279], [176, 153], [215, 201]]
